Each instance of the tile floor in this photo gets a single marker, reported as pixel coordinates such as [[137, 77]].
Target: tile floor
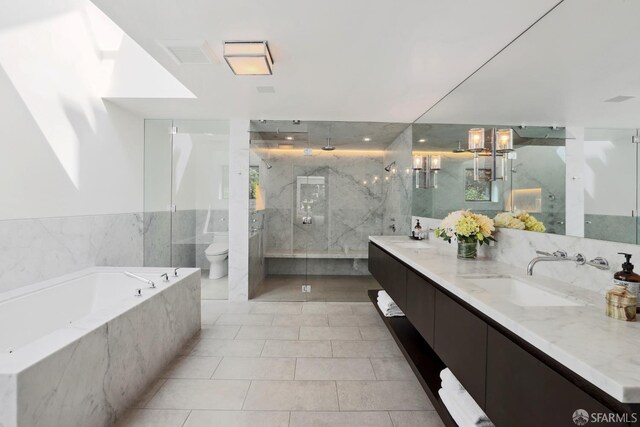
[[286, 364], [214, 288], [323, 288]]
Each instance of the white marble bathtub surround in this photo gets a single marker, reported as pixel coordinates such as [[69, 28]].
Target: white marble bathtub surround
[[37, 249], [398, 188], [580, 337], [517, 248], [238, 209], [88, 374]]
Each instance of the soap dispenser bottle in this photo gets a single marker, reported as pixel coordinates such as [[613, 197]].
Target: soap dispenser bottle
[[417, 231], [626, 277]]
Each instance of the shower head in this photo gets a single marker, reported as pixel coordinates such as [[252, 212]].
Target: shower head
[[388, 168], [328, 146], [269, 166]]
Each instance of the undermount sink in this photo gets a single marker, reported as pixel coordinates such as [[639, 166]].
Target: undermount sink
[[519, 292], [414, 245]]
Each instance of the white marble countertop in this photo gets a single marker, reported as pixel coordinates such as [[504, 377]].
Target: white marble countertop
[[602, 350]]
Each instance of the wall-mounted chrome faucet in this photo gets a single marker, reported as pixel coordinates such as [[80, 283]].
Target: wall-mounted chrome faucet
[[175, 271], [142, 279], [558, 255]]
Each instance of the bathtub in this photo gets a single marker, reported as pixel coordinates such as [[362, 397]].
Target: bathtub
[[79, 349]]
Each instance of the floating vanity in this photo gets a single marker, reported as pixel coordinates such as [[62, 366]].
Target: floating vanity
[[530, 351], [79, 349]]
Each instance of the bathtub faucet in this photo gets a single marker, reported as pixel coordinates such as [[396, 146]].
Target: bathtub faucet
[[175, 271], [142, 279], [165, 277]]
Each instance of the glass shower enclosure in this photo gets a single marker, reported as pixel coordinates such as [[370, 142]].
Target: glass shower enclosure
[[186, 186]]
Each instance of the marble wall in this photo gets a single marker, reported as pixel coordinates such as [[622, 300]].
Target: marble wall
[[37, 249], [398, 186], [517, 248], [345, 196]]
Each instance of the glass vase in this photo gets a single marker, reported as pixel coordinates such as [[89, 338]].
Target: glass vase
[[468, 250]]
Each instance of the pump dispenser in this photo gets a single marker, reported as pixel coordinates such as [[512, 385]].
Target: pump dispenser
[[626, 277]]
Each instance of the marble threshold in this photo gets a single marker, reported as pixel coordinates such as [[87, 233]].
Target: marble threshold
[[581, 337]]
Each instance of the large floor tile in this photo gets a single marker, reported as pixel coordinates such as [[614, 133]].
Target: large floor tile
[[221, 332], [382, 396], [334, 369], [416, 419], [237, 419], [300, 320], [214, 289], [277, 348], [392, 369], [269, 332], [200, 394], [355, 320], [249, 368], [153, 418], [277, 308], [365, 308], [148, 394], [292, 396], [226, 306], [326, 308], [244, 319], [237, 348], [192, 367], [340, 419], [386, 348], [349, 333], [375, 333]]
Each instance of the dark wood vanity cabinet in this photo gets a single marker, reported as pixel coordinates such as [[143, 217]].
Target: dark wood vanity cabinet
[[461, 343], [390, 273], [521, 387], [421, 303]]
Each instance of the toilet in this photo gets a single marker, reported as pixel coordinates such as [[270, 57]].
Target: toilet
[[217, 254]]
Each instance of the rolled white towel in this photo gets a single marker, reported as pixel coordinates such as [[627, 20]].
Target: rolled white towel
[[460, 412], [470, 408], [449, 381], [385, 300], [390, 312]]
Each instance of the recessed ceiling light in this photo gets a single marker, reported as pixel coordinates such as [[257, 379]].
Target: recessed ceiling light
[[288, 138], [367, 139], [251, 58], [422, 140]]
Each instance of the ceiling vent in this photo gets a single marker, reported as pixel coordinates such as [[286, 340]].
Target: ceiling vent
[[189, 51], [265, 89], [619, 98]]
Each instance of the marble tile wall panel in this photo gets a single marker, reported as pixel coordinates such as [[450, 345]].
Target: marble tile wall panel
[[92, 381], [37, 249], [218, 222], [157, 239], [397, 193], [517, 248]]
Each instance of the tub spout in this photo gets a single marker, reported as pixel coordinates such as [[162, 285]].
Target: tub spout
[[142, 279]]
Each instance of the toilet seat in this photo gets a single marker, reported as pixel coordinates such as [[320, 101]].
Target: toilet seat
[[217, 248]]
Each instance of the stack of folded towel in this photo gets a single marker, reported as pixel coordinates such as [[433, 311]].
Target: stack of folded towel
[[387, 306], [463, 409]]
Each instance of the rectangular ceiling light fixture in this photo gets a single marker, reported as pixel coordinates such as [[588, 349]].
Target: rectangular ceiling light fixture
[[248, 58]]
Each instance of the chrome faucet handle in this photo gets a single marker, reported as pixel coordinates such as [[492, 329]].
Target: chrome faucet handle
[[175, 271], [580, 259], [165, 277], [137, 293], [599, 263], [560, 253], [544, 253]]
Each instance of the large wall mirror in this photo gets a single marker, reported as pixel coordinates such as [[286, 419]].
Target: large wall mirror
[[581, 180]]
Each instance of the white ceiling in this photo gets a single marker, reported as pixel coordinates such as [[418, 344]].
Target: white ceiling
[[559, 72], [355, 60]]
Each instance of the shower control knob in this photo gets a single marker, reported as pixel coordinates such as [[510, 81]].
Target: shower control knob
[[138, 292]]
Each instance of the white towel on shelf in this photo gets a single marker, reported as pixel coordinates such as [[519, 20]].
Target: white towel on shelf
[[460, 412], [465, 406], [449, 381], [388, 307]]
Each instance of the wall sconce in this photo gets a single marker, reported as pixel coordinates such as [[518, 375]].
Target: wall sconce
[[501, 141], [429, 167]]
